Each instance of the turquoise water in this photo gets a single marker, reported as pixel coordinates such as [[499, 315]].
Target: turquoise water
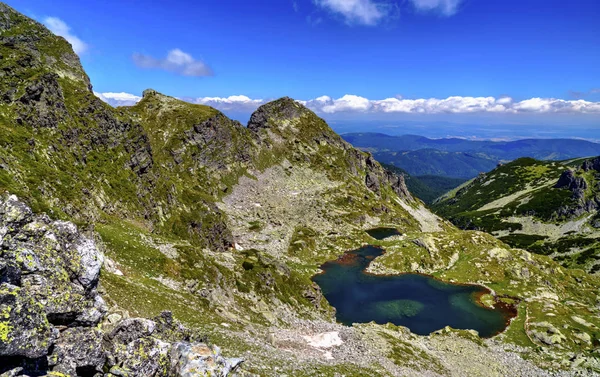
[[382, 233], [421, 303]]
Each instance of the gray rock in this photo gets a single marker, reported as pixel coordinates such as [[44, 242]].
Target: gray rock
[[131, 329], [91, 262], [144, 357], [24, 329], [188, 360], [12, 211], [10, 272], [79, 349]]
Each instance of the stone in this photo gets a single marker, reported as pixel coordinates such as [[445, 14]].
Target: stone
[[79, 349], [198, 359], [143, 357], [24, 329], [91, 262], [132, 329]]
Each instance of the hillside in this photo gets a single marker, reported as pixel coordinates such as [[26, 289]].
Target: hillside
[[549, 208], [439, 163], [426, 187], [165, 239]]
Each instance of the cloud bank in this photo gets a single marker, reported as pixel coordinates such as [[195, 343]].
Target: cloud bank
[[60, 28], [357, 104], [176, 61]]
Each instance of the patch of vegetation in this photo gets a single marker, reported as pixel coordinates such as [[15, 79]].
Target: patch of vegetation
[[522, 241], [426, 187]]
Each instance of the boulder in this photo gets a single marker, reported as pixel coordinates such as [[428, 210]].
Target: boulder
[[78, 351], [190, 360], [24, 329]]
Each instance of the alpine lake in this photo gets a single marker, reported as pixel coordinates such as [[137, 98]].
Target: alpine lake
[[420, 302]]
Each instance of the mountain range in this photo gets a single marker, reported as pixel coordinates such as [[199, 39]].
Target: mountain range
[[462, 158], [165, 239]]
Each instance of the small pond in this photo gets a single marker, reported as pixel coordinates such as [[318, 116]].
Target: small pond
[[419, 302], [383, 233]]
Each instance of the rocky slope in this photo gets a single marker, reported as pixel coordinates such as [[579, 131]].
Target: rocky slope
[[53, 319], [224, 225], [549, 208]]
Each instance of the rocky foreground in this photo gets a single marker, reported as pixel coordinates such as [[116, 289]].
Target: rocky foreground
[[54, 321]]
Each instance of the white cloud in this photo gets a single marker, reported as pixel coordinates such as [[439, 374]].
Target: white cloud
[[553, 105], [59, 27], [233, 103], [177, 61], [365, 12], [445, 7], [118, 99], [356, 104]]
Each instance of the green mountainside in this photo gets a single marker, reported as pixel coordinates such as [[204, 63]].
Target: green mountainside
[[426, 187], [549, 208], [172, 211]]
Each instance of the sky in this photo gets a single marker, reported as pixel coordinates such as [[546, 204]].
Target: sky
[[469, 62]]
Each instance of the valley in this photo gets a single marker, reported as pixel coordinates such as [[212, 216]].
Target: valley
[[166, 239]]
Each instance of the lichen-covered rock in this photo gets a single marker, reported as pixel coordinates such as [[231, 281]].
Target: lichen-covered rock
[[189, 360], [143, 357], [78, 350], [49, 309], [57, 265], [131, 329], [24, 329]]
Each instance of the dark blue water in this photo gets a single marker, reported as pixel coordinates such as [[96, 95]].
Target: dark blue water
[[421, 303], [383, 233]]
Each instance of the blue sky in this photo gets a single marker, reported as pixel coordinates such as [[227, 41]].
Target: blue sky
[[511, 51]]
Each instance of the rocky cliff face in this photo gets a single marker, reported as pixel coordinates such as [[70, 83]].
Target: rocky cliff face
[[586, 197]]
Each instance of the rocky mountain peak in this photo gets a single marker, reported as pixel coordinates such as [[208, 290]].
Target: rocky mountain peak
[[289, 118], [28, 47], [149, 93]]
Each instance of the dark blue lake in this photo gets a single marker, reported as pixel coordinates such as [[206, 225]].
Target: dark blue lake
[[421, 303]]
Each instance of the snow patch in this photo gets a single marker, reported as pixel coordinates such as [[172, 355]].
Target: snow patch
[[324, 340]]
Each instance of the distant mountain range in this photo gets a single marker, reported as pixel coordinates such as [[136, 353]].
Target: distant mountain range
[[435, 162], [462, 158]]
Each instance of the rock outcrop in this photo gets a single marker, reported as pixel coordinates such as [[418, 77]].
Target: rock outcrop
[[52, 318], [577, 185]]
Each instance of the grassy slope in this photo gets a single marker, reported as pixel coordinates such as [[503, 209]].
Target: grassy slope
[[512, 199]]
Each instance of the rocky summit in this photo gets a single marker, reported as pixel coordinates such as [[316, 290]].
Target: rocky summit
[[165, 239]]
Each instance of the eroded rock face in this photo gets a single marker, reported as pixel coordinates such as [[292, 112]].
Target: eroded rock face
[[593, 164], [52, 318], [577, 185]]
